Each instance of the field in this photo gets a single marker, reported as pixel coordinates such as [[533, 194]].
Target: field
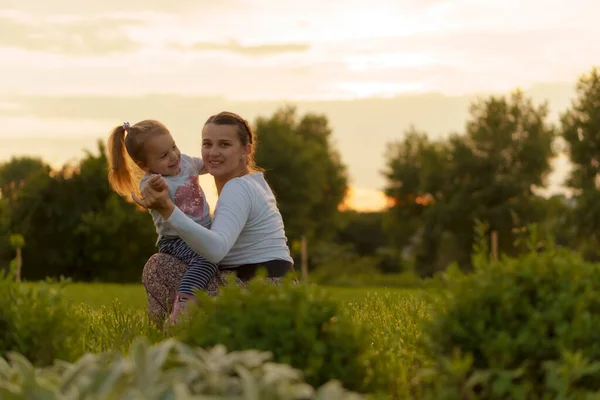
[[524, 327], [392, 315], [133, 296]]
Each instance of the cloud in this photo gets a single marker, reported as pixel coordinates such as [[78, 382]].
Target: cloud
[[92, 8], [361, 128], [69, 36], [249, 50]]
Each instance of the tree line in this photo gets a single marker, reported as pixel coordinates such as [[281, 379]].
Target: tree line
[[490, 173], [74, 225]]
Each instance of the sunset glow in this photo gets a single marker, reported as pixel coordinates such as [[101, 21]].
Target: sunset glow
[[72, 70]]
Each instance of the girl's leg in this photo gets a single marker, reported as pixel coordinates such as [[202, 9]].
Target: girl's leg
[[197, 276]]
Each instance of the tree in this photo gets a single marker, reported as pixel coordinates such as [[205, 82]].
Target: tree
[[304, 170], [75, 225], [556, 218], [364, 233], [364, 230], [15, 172], [580, 129], [13, 176], [414, 172], [507, 152], [314, 132], [439, 189]]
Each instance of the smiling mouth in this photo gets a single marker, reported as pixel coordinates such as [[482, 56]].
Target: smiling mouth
[[215, 162]]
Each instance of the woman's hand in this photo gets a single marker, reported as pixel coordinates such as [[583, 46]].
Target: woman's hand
[[155, 195]]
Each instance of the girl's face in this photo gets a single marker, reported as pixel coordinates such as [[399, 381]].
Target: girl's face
[[162, 155], [222, 152]]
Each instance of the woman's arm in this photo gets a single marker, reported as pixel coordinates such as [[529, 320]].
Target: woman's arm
[[230, 217]]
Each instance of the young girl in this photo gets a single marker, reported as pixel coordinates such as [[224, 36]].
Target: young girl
[[151, 147]]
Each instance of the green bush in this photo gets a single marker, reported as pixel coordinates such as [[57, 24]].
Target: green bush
[[523, 327], [300, 324], [37, 322], [168, 370]]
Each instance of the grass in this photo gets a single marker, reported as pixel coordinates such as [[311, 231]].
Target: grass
[[97, 295], [393, 316], [115, 314]]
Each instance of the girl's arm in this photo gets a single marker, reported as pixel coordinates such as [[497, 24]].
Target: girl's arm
[[231, 214]]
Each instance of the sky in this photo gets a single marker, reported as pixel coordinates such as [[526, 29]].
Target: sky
[[71, 70]]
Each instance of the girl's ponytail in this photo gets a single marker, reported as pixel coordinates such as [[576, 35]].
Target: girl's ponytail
[[120, 174]]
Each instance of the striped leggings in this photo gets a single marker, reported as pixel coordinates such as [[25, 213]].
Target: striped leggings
[[199, 272]]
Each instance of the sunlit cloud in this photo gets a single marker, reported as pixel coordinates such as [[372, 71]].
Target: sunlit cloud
[[39, 127], [86, 9], [235, 47], [97, 36]]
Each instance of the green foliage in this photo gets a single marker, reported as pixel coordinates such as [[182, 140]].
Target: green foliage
[[580, 127], [391, 319], [339, 262], [75, 226], [524, 327], [37, 322], [300, 324], [364, 232], [16, 172], [6, 252], [169, 370], [304, 170], [441, 187], [17, 241], [408, 163], [556, 218]]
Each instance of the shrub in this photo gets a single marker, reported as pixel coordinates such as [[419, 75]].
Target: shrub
[[168, 370], [37, 322], [300, 324], [523, 327]]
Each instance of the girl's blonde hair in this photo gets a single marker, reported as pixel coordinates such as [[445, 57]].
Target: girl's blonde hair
[[126, 151]]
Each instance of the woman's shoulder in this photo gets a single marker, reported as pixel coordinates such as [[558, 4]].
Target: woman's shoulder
[[249, 180]]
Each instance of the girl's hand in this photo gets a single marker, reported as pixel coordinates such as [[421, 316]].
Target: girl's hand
[[158, 183], [155, 196]]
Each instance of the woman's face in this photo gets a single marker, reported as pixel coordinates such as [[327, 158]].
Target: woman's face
[[222, 151]]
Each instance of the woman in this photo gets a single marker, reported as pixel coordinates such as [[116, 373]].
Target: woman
[[247, 232]]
